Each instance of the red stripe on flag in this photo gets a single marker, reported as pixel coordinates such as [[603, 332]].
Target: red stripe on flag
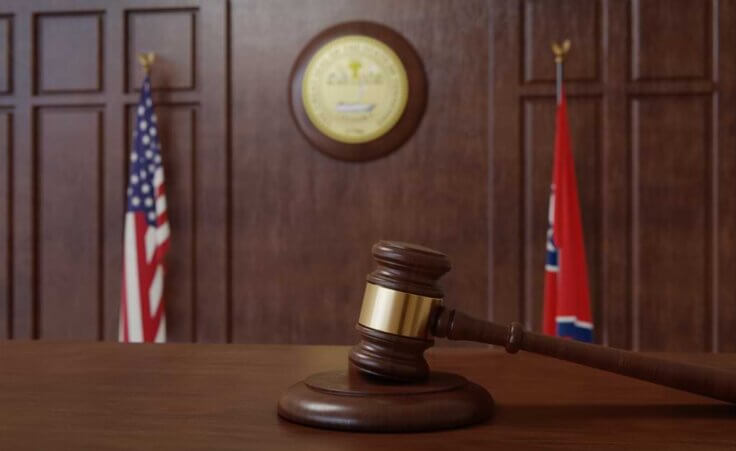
[[124, 311], [144, 276]]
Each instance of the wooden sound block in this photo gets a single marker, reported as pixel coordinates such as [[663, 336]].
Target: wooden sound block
[[349, 401]]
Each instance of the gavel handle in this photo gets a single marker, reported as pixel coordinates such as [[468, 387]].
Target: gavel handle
[[702, 380]]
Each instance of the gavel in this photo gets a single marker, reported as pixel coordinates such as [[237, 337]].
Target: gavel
[[403, 310], [388, 386]]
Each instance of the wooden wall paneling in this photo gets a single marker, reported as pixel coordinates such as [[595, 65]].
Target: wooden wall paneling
[[94, 76], [170, 33], [178, 127], [650, 68], [23, 282], [671, 39], [6, 152], [258, 206], [6, 44], [116, 142], [303, 223], [67, 68], [68, 148], [506, 260], [36, 30], [670, 239], [543, 22], [212, 172], [673, 208], [68, 50], [6, 174], [724, 213], [616, 329]]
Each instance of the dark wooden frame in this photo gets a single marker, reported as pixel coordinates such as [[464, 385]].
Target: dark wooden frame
[[404, 128], [29, 312]]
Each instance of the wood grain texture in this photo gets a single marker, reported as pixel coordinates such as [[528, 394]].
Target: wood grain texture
[[110, 396], [650, 158], [659, 48], [273, 237], [171, 35], [68, 180], [671, 239], [506, 221], [298, 215], [69, 54], [345, 400], [544, 22], [6, 153], [6, 44], [698, 379], [213, 195], [724, 211], [73, 76], [616, 328]]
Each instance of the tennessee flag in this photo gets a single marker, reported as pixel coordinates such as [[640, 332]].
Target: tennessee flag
[[566, 294]]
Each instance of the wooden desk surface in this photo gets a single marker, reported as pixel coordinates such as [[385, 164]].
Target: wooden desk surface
[[110, 396]]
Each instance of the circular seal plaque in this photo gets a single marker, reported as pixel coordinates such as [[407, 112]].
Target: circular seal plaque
[[358, 91], [355, 89]]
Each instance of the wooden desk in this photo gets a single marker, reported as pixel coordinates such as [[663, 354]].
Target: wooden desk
[[108, 396]]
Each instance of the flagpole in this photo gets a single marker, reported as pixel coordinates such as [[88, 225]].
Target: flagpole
[[560, 50]]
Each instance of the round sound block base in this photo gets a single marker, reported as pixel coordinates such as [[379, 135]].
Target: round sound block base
[[346, 400]]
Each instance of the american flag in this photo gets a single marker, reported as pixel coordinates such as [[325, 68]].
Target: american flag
[[146, 236]]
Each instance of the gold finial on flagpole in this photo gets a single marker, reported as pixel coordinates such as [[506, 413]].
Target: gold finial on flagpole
[[560, 50], [146, 60]]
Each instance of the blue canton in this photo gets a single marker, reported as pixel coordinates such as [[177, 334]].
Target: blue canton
[[145, 158], [552, 253]]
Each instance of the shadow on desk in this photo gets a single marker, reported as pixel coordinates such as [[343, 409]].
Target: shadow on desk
[[575, 413]]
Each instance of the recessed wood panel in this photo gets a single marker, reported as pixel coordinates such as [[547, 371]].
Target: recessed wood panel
[[6, 148], [670, 39], [69, 235], [170, 34], [69, 52], [538, 145], [6, 45], [724, 308], [303, 224], [67, 188], [670, 236], [545, 22], [177, 133]]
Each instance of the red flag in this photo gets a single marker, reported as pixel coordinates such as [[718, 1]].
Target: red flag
[[566, 293], [146, 237]]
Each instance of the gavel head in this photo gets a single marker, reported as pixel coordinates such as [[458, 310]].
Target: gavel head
[[400, 303]]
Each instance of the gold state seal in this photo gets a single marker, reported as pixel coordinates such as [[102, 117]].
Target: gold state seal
[[355, 89]]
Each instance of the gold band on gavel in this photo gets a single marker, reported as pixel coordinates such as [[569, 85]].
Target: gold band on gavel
[[396, 312]]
